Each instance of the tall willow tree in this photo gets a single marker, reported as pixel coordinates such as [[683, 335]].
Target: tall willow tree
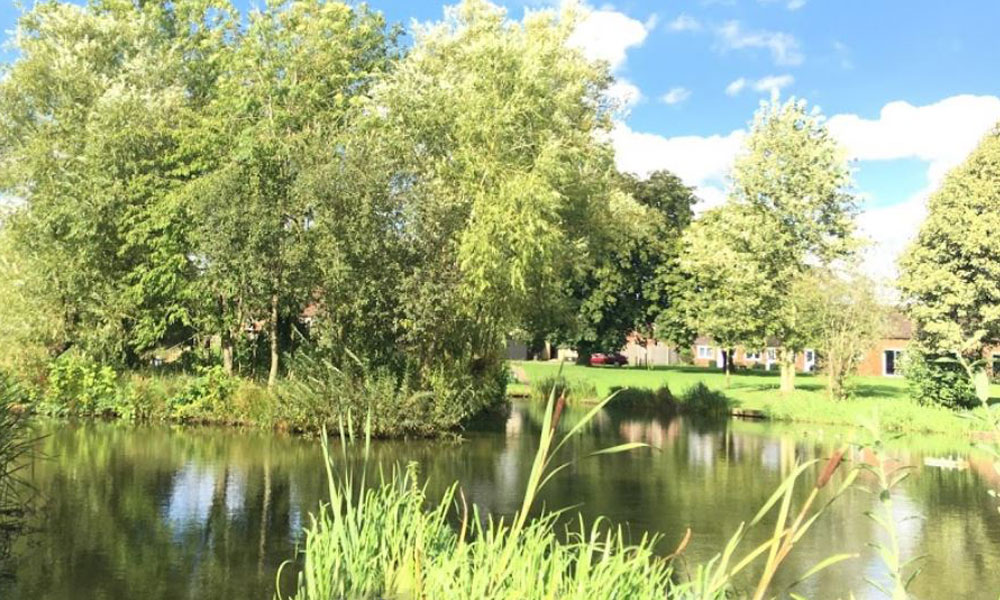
[[794, 175], [89, 115], [493, 126], [290, 83], [950, 275]]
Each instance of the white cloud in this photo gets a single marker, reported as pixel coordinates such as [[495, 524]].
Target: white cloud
[[773, 83], [736, 86], [700, 161], [684, 22], [676, 95], [606, 34], [942, 133], [790, 4], [624, 94], [783, 46], [890, 230]]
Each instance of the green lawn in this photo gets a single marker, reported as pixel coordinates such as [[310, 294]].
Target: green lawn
[[758, 391]]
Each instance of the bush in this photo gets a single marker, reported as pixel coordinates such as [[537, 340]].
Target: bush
[[661, 397], [78, 386], [319, 393], [574, 389], [935, 382], [699, 399], [206, 395]]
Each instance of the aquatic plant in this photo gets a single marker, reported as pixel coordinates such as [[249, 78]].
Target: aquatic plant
[[388, 540], [15, 444]]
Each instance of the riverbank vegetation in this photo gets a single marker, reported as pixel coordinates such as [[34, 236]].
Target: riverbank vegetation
[[218, 197], [289, 215], [382, 540], [15, 446]]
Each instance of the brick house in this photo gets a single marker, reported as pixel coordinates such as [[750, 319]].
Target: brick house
[[883, 358], [706, 353]]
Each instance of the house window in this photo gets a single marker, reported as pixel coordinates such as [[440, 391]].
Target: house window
[[772, 354], [995, 364], [890, 362], [705, 352], [810, 356], [753, 356]]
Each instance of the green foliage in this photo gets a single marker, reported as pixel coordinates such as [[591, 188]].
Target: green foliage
[[950, 275], [15, 446], [573, 388], [387, 539], [79, 386], [936, 380], [702, 400], [636, 282], [206, 395], [790, 205], [842, 317]]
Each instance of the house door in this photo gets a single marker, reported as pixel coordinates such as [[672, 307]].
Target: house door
[[810, 361], [890, 362]]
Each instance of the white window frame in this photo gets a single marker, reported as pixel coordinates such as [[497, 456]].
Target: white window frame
[[895, 362], [705, 353], [772, 355], [754, 356]]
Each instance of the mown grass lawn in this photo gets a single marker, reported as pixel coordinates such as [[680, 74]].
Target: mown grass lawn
[[884, 398]]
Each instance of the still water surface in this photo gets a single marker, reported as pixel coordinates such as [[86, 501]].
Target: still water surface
[[160, 512]]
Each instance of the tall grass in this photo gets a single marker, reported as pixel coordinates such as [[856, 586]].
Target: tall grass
[[387, 539], [15, 445]]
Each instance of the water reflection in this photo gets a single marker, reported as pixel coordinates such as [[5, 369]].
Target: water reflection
[[156, 512]]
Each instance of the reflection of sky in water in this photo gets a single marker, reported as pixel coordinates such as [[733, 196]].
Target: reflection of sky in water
[[191, 496], [701, 449], [294, 513], [236, 485]]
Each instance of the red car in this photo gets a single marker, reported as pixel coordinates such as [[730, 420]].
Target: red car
[[613, 358]]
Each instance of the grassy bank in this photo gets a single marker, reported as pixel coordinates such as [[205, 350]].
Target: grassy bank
[[757, 392]]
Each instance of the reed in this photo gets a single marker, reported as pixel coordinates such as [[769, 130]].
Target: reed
[[384, 538]]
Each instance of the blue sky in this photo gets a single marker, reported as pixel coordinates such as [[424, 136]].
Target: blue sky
[[909, 86]]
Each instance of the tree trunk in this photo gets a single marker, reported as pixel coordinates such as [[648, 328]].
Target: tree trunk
[[272, 376], [225, 338], [981, 381], [727, 364], [787, 371]]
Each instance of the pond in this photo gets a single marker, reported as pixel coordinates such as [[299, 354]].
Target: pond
[[168, 512]]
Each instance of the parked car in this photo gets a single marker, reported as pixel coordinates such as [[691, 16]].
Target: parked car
[[613, 358]]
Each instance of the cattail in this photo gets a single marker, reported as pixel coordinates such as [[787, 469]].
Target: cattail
[[560, 404], [831, 466]]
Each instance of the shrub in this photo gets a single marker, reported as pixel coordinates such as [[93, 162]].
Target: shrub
[[206, 395], [661, 397], [76, 385], [574, 389], [699, 399], [319, 393], [932, 381]]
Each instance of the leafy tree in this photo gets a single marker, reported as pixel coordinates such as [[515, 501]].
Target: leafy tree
[[794, 175], [493, 127], [843, 317], [289, 82], [950, 275], [731, 295], [634, 283], [88, 140]]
